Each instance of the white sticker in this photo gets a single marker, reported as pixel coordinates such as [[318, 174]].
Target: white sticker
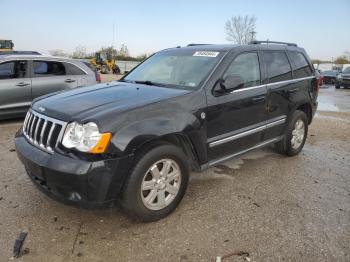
[[206, 53]]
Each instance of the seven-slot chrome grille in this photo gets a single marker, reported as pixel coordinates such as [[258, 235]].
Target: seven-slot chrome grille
[[42, 131]]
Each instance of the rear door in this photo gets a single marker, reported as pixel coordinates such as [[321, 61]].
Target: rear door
[[15, 87], [280, 91], [50, 76], [79, 74]]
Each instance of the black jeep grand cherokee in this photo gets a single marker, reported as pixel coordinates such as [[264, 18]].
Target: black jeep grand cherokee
[[182, 109]]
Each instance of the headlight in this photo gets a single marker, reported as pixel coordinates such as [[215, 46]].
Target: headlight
[[85, 138], [339, 76]]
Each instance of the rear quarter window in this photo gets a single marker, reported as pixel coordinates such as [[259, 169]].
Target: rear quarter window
[[277, 66], [302, 67], [73, 69]]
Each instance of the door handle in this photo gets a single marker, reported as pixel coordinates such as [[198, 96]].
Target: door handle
[[22, 84], [258, 99], [69, 80], [293, 90]]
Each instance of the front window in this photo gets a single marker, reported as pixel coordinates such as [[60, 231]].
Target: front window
[[246, 66], [178, 69], [13, 69]]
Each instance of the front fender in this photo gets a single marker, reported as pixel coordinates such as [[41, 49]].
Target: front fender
[[137, 133]]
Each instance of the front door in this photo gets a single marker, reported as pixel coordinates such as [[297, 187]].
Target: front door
[[15, 87], [236, 119]]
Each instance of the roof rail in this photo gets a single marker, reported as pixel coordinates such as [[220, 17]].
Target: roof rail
[[197, 44], [19, 53], [255, 42]]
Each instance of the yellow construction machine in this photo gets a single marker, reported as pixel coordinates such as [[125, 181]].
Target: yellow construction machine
[[6, 45], [105, 63]]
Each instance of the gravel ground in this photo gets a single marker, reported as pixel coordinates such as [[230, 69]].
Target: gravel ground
[[274, 207]]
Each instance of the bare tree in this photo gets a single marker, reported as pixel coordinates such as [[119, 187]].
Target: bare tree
[[124, 51], [79, 52], [347, 54], [109, 50], [241, 29]]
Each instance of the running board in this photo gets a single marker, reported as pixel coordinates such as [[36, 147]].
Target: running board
[[217, 161]]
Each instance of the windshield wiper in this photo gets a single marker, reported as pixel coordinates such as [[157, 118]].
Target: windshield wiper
[[126, 81], [150, 83]]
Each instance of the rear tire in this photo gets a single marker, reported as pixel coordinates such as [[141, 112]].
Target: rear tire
[[337, 86], [157, 183], [295, 135], [116, 70]]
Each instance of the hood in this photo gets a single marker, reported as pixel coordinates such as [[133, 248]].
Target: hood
[[83, 103]]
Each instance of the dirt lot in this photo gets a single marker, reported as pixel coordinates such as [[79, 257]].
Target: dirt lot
[[274, 207]]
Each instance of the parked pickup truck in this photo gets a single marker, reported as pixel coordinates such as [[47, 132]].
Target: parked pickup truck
[[187, 108]]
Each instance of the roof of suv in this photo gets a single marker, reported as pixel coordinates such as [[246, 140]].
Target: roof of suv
[[229, 47]]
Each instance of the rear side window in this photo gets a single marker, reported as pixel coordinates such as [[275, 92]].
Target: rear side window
[[302, 67], [73, 70], [13, 70], [48, 68], [277, 66], [246, 66]]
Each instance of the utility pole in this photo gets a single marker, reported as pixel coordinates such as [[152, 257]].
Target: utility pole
[[253, 33], [113, 34]]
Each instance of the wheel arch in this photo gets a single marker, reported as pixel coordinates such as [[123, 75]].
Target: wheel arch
[[307, 109], [177, 139]]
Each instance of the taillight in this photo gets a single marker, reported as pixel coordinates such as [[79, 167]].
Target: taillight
[[319, 82], [98, 77]]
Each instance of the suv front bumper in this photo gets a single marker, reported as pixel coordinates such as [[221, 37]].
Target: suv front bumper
[[71, 180], [343, 82]]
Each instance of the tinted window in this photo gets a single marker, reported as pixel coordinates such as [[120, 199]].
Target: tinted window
[[247, 67], [277, 66], [11, 70], [73, 70], [302, 67], [48, 68]]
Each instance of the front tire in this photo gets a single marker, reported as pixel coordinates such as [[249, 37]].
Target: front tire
[[337, 86], [157, 183], [104, 69], [295, 135]]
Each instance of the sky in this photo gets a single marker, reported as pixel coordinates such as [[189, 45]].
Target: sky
[[321, 27]]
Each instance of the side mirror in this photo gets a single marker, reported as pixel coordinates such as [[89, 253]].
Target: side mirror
[[229, 83], [232, 82]]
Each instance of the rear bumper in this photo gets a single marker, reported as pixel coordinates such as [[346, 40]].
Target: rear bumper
[[70, 180], [329, 79]]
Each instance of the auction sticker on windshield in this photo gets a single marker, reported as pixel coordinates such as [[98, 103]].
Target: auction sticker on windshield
[[206, 53]]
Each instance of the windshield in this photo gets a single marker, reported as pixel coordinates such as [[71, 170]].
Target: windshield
[[346, 70], [179, 69]]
